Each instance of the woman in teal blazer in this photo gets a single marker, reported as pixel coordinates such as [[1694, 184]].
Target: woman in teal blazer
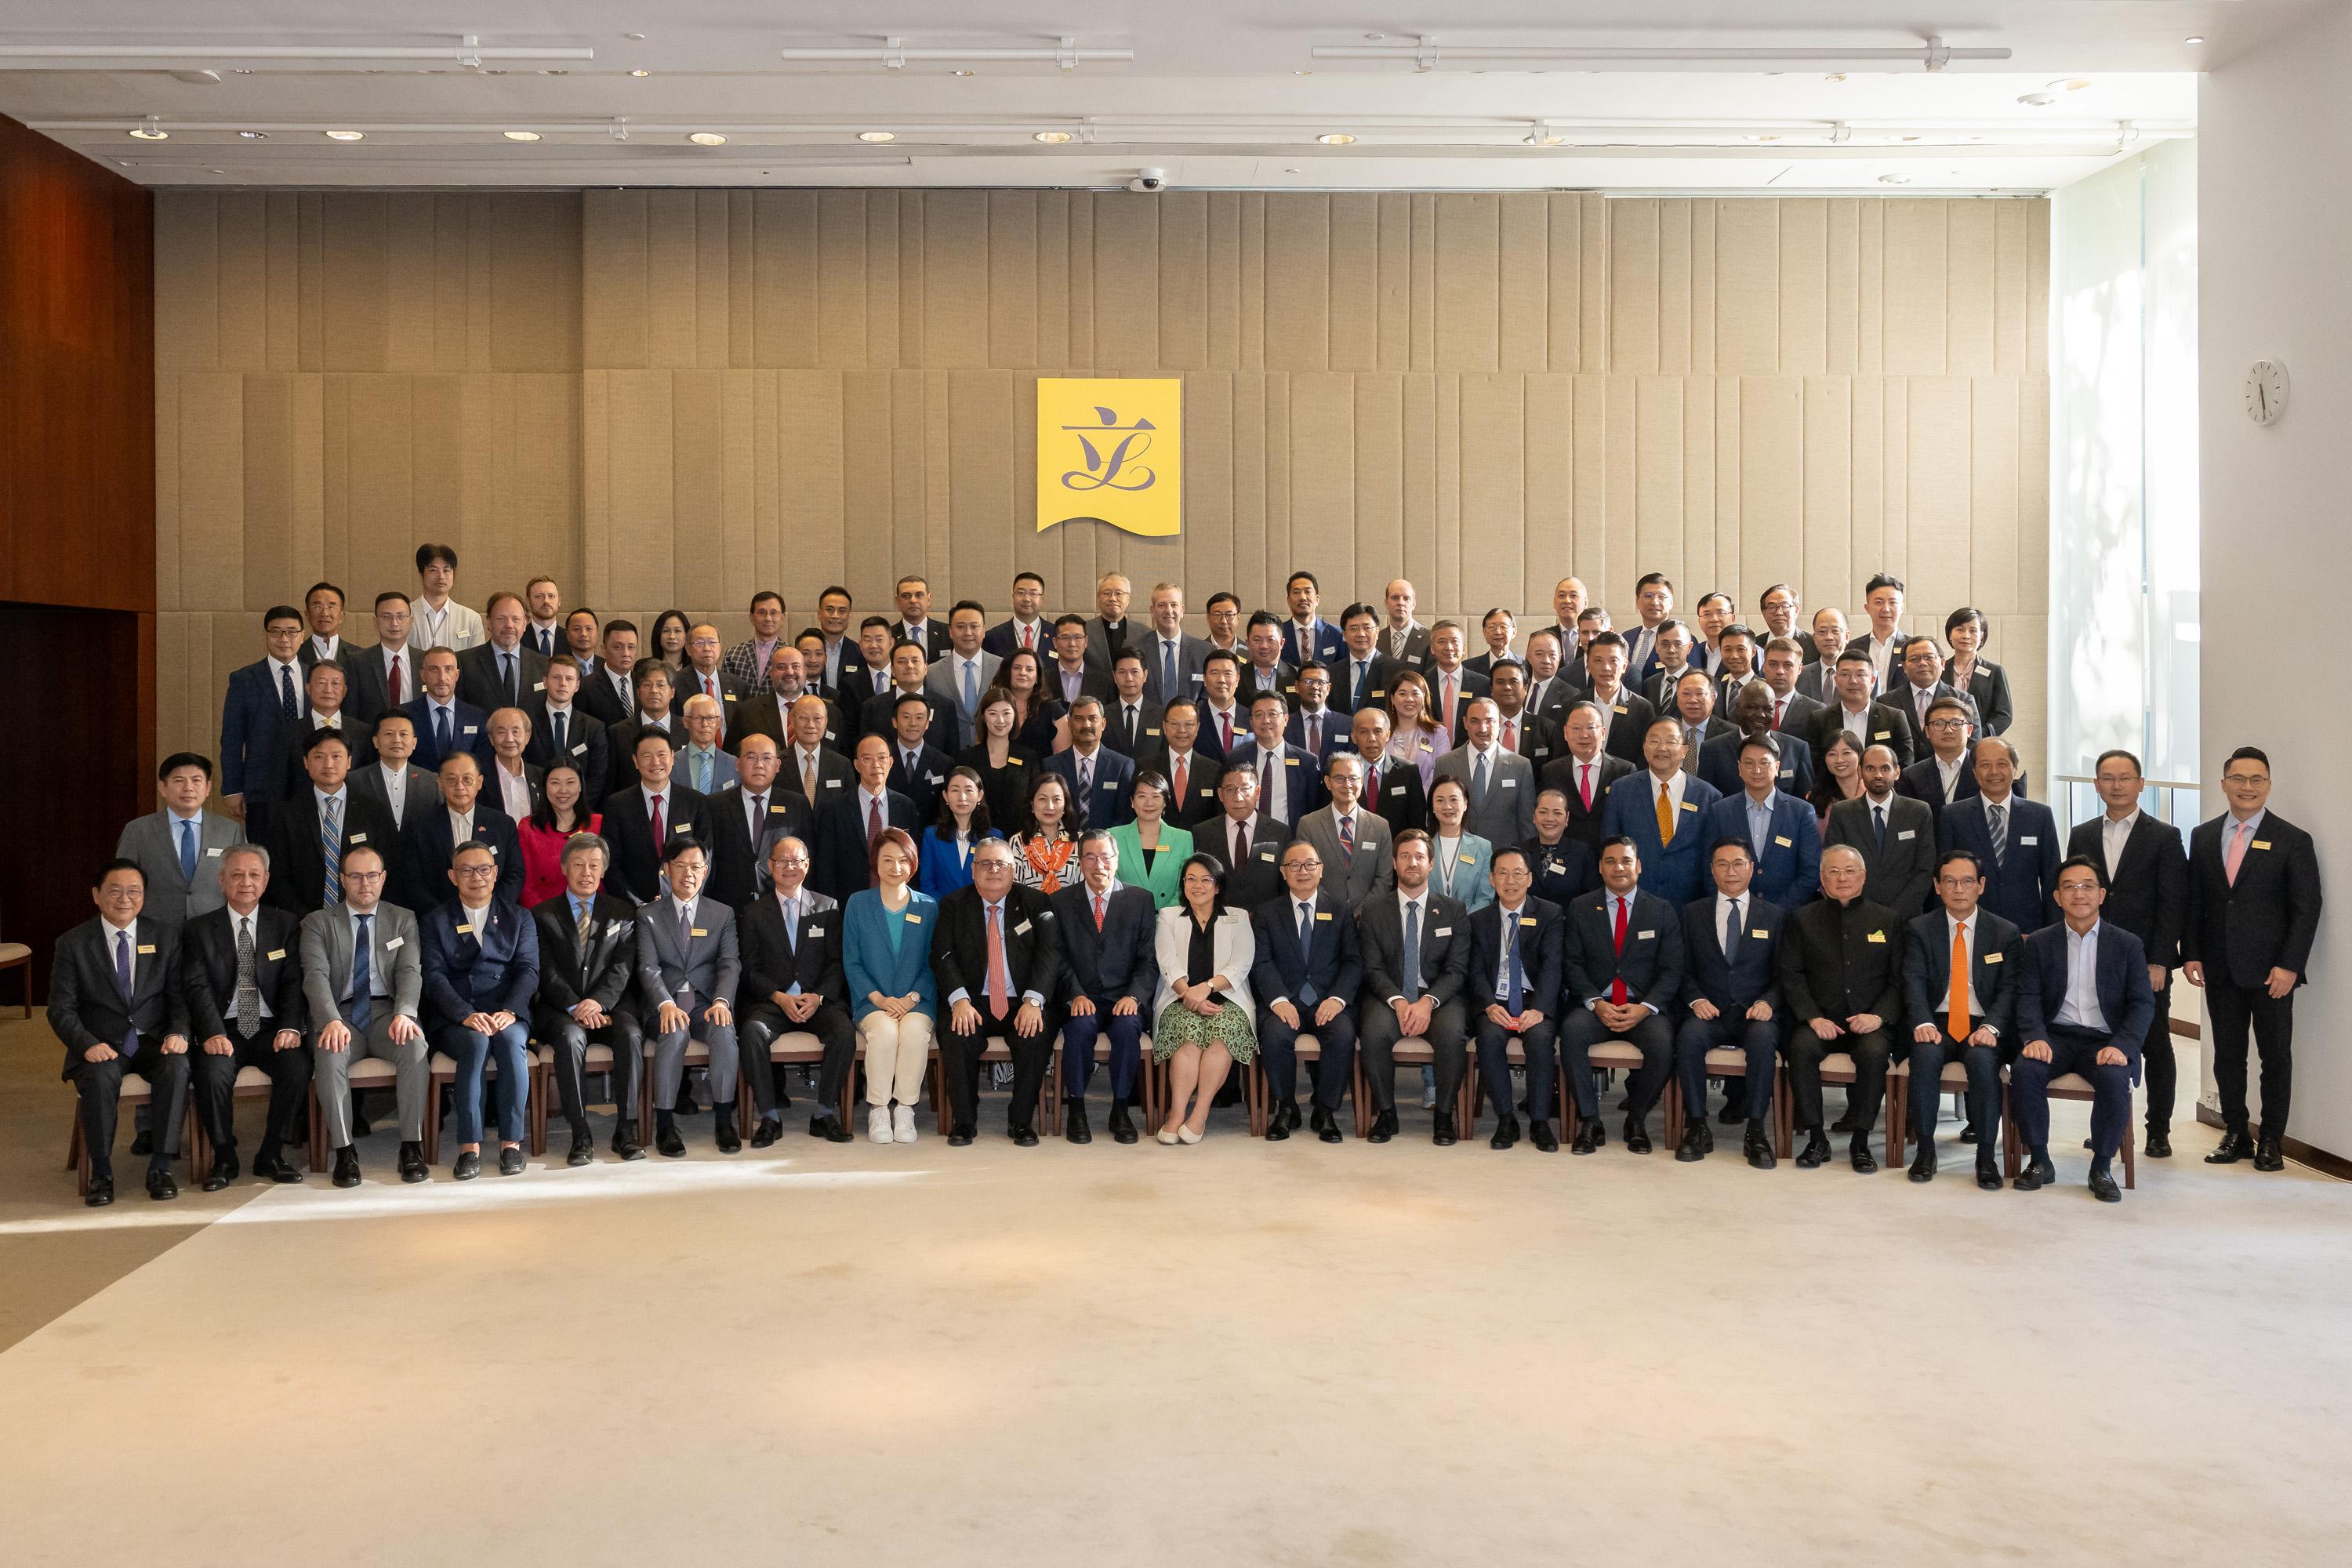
[[886, 956], [1161, 872], [1458, 858]]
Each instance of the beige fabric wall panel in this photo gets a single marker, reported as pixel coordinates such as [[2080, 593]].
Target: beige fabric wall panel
[[679, 397]]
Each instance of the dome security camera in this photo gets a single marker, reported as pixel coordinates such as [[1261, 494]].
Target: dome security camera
[[1149, 180]]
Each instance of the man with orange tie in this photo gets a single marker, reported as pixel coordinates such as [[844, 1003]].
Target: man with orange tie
[[996, 955], [1663, 810], [1961, 983]]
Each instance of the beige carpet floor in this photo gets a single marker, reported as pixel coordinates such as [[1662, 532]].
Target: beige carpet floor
[[1237, 1353]]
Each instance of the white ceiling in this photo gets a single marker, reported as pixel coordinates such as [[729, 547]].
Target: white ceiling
[[1219, 93]]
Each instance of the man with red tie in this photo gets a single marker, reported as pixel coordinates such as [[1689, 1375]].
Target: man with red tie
[[846, 827], [1583, 773], [1028, 628], [996, 953], [1451, 686]]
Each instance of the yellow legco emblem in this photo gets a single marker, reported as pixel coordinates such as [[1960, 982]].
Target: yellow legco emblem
[[1111, 451]]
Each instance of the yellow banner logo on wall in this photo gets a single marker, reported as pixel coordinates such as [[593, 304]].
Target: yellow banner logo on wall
[[1111, 451]]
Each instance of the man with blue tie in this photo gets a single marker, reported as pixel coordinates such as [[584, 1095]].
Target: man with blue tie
[[587, 974], [1101, 781], [1663, 811], [1307, 970], [1289, 781], [1782, 832], [445, 722], [1361, 675], [2013, 838], [363, 979], [179, 845], [1961, 979], [480, 973], [112, 1003], [505, 671], [1112, 971], [544, 634], [2084, 1007], [1623, 965], [1172, 658], [263, 699], [1515, 970], [962, 676], [1416, 948], [688, 969], [1732, 940], [1315, 728]]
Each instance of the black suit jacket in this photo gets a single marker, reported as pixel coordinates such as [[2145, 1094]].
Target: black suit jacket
[[923, 785], [1994, 961], [738, 864], [85, 1008], [1652, 964], [208, 969], [764, 715], [477, 677], [587, 744], [1902, 870], [359, 737], [1583, 824], [1754, 976], [567, 976], [1629, 721], [623, 774], [635, 871], [1403, 800], [1379, 680], [2267, 918], [597, 696], [773, 963], [1032, 947], [1258, 878], [1887, 727], [1838, 960], [1923, 781], [837, 863], [2149, 895], [1445, 947], [430, 849], [366, 695], [298, 866], [1120, 960], [1144, 737], [1543, 947], [1332, 963], [1205, 771]]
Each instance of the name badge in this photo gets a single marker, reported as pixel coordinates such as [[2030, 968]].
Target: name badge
[[395, 941], [1322, 914], [1266, 854], [1290, 762], [1617, 708], [832, 783], [1510, 783], [914, 920], [1557, 868], [1644, 936], [1468, 860], [1149, 730], [464, 929], [1759, 931], [539, 686], [356, 838], [934, 778], [816, 931], [1016, 762], [700, 931], [1527, 920], [471, 728], [1690, 806], [2030, 839], [274, 954], [214, 853], [145, 948], [1876, 936], [1448, 930], [1788, 772], [1994, 957], [1909, 833], [2259, 844], [1021, 930], [1396, 789], [1783, 842], [1880, 734]]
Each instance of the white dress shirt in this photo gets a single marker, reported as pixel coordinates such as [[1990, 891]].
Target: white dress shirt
[[1976, 1004], [2112, 836], [2081, 1007]]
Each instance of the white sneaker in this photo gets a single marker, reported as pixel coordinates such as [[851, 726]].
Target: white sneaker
[[902, 1125], [877, 1124]]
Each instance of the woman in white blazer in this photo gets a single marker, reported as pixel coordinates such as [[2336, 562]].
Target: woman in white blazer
[[1204, 1016]]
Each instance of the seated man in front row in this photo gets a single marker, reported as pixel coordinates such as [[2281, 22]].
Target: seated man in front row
[[1732, 940], [1305, 976], [587, 965], [481, 970], [1415, 944], [1624, 963], [2084, 1007], [362, 971], [789, 941], [1110, 971], [1842, 976], [241, 978], [113, 1002], [1515, 972], [688, 969], [1961, 978]]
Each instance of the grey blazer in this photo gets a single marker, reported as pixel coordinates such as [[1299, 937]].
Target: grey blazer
[[396, 954], [154, 843], [1371, 871], [1506, 818], [423, 789], [944, 680], [706, 962], [1192, 658], [1903, 872]]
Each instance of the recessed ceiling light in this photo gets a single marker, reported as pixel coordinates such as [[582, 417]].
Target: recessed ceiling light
[[253, 135], [1375, 37], [1894, 179], [877, 136], [1544, 138], [634, 38], [2193, 39], [150, 132], [1335, 139], [2037, 99], [2072, 83], [345, 135], [519, 135], [1302, 73], [706, 139], [1056, 137], [641, 72]]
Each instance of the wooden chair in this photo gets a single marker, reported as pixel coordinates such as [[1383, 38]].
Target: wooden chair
[[443, 1070], [1473, 1084], [797, 1047], [1954, 1079], [135, 1092], [2066, 1085], [1147, 1083], [18, 956], [1729, 1064], [368, 1072], [1413, 1051]]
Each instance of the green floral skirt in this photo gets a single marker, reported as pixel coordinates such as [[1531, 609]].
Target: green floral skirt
[[1228, 1026]]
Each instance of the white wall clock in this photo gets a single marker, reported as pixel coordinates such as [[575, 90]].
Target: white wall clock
[[2265, 391]]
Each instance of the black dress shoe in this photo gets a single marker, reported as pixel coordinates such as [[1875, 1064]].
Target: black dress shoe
[[2043, 1172], [1733, 1114], [1923, 1163], [1286, 1116], [1589, 1135], [669, 1144], [2268, 1156], [1705, 1136], [510, 1161], [1692, 1149], [2104, 1188], [347, 1167], [1637, 1137], [412, 1162], [768, 1129], [829, 1128], [1968, 1133], [722, 1131], [959, 1135], [142, 1145], [2029, 1179], [223, 1173], [1441, 1131], [1816, 1152], [1507, 1132], [1844, 1124], [1987, 1175], [1275, 1133], [101, 1194], [1758, 1146], [624, 1142], [2234, 1146], [1074, 1122], [1384, 1127], [1866, 1163], [1540, 1134], [2158, 1145], [1123, 1127], [468, 1165], [583, 1150], [275, 1168], [161, 1185], [1024, 1137]]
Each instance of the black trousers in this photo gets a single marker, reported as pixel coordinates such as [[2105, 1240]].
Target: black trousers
[[1277, 1046], [960, 1056], [764, 1023], [1870, 1053], [564, 1035], [2232, 1009], [98, 1087], [213, 1083], [1540, 1046], [2163, 1072], [1981, 1063], [1653, 1037], [1377, 1035]]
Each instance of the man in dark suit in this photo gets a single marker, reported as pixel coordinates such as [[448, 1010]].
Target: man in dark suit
[[1110, 629], [1172, 658], [1191, 774], [1518, 730], [1305, 977], [392, 784], [1622, 966], [1718, 757], [480, 973], [690, 968], [464, 816], [315, 825], [1624, 715], [1779, 606], [383, 678], [2013, 838], [1225, 721], [1552, 684], [841, 837], [1362, 676], [2146, 875], [1101, 781], [1920, 686], [241, 986], [1842, 976], [1947, 774], [444, 722], [587, 971], [1416, 951], [790, 939], [1306, 636], [872, 677], [1028, 627], [1245, 841], [1793, 710], [322, 610], [1297, 779], [996, 956], [919, 770], [1731, 945], [1314, 727], [1111, 977], [609, 691], [916, 624], [907, 675], [561, 728], [1452, 686], [1131, 718], [114, 1003], [815, 769], [1854, 711], [1963, 1010], [1265, 669], [1583, 773], [1393, 791], [2253, 911], [2084, 1007], [1663, 811], [658, 710], [323, 688], [745, 819], [503, 672], [641, 822], [770, 712], [1895, 835], [263, 698], [1073, 672], [1512, 987]]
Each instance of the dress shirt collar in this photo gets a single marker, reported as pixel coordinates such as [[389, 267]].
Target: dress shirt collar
[[196, 819], [1406, 900], [2253, 825], [1968, 925], [867, 797], [2120, 824], [580, 907], [1725, 903], [683, 908], [476, 916], [113, 931], [653, 794], [320, 797]]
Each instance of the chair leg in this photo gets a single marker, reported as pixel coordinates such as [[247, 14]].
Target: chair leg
[[2012, 1147], [192, 1139], [1673, 1108], [1899, 1134], [1784, 1116], [1357, 1089], [1050, 1111], [939, 1087]]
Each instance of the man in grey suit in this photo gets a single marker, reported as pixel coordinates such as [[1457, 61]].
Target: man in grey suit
[[1352, 843], [964, 674], [178, 845], [363, 974], [688, 968], [1896, 834], [1172, 658], [1501, 784]]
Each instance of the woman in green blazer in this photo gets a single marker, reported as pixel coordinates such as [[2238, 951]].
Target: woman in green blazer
[[1152, 850]]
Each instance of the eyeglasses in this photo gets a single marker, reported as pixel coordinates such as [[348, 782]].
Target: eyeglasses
[[1947, 724], [476, 870], [2245, 778]]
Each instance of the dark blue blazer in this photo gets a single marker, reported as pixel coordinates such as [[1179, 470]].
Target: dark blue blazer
[[1993, 965], [2019, 888], [1719, 763], [1563, 872], [1789, 872], [1542, 928], [1302, 776], [462, 715], [490, 971], [1120, 960], [1751, 974], [1110, 802], [1328, 643], [1335, 736], [2126, 1000], [1332, 963], [1652, 965], [430, 850], [1674, 872], [252, 757]]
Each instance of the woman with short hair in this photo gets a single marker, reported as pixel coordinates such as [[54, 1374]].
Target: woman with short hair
[[886, 956], [1202, 1016]]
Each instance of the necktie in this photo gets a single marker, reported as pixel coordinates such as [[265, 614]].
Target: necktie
[[330, 848], [506, 677], [874, 824], [286, 692], [1306, 926], [1510, 735], [908, 764], [249, 995], [2239, 832], [1617, 985], [808, 777], [1085, 777], [1347, 838], [1412, 976], [188, 851], [1314, 734], [792, 927], [660, 838], [1478, 782], [1167, 692], [363, 976], [1515, 982], [971, 686], [1997, 819], [1180, 779], [1956, 1009], [701, 770], [1363, 680], [584, 928], [1133, 733], [1000, 973], [391, 683], [1241, 844], [1665, 815], [1225, 728], [1098, 912], [1878, 827], [123, 984], [560, 750], [1584, 782], [1730, 929], [441, 731], [1445, 708], [1266, 786], [758, 820], [1779, 710]]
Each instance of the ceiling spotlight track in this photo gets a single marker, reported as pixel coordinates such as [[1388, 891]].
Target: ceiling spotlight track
[[468, 51], [1425, 54], [894, 54]]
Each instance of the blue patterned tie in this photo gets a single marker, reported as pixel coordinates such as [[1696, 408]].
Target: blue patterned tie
[[1168, 670], [1515, 986], [188, 851], [330, 845], [286, 692], [441, 731]]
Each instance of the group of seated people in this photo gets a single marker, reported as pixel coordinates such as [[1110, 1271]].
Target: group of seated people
[[943, 836]]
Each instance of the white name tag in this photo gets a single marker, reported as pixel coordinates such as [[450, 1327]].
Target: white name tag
[[1442, 931], [395, 941], [816, 931], [1510, 783], [357, 838], [1396, 789], [1690, 806], [1909, 833], [2030, 838], [832, 783], [275, 953], [933, 778], [1644, 936], [1759, 931], [1266, 854], [539, 686], [471, 728], [580, 749], [1994, 957], [1021, 930], [213, 852]]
